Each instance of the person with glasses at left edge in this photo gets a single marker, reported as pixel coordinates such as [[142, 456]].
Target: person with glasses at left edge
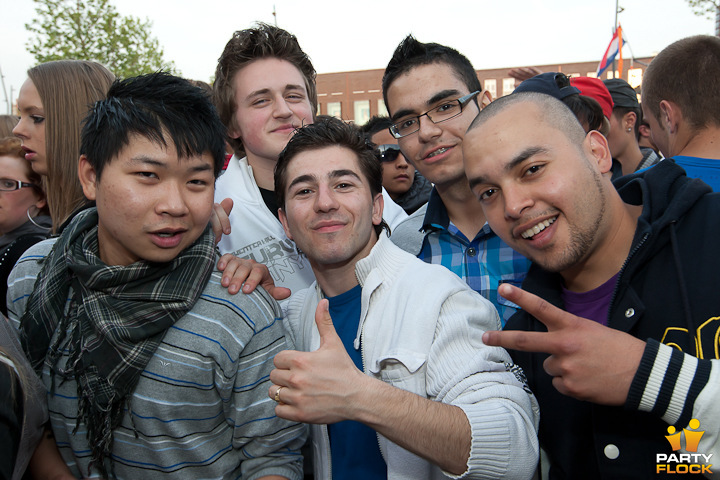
[[24, 214], [432, 93], [403, 183]]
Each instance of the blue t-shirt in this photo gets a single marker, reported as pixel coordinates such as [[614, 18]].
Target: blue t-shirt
[[354, 447], [706, 169]]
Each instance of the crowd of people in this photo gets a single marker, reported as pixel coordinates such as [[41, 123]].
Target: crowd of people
[[468, 287]]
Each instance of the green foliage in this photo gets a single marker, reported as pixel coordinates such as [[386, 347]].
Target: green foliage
[[94, 30], [707, 8]]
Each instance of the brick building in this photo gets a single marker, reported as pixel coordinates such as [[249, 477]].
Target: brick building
[[358, 95]]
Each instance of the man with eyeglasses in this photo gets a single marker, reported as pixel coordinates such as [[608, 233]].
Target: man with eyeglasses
[[432, 94], [403, 183]]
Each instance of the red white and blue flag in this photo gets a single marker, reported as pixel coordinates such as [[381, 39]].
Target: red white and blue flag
[[611, 52]]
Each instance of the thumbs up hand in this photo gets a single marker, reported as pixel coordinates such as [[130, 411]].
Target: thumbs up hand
[[318, 386], [324, 323]]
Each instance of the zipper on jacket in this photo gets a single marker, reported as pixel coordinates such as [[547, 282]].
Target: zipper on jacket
[[361, 322], [365, 372], [326, 440], [622, 270]]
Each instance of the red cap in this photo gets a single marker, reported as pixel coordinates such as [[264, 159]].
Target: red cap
[[595, 89]]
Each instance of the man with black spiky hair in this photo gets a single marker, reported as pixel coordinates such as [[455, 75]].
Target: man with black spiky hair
[[152, 367]]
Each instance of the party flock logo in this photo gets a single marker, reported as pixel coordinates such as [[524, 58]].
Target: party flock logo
[[684, 463]]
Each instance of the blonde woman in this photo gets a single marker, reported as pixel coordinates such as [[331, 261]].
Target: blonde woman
[[52, 103]]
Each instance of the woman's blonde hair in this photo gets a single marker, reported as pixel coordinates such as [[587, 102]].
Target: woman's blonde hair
[[67, 89], [7, 123]]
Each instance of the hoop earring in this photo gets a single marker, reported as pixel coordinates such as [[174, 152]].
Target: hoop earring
[[32, 220]]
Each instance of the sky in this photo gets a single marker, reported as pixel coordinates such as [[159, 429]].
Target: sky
[[350, 35]]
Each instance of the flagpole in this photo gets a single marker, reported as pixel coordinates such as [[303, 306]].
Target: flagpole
[[7, 101], [617, 10]]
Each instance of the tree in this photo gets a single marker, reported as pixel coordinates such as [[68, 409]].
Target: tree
[[708, 8], [94, 30]]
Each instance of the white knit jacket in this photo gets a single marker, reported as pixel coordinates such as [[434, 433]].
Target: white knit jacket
[[421, 329]]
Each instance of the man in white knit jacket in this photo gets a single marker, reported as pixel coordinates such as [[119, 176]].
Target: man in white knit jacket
[[264, 89], [402, 357]]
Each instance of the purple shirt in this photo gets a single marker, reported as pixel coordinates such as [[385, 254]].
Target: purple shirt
[[593, 304]]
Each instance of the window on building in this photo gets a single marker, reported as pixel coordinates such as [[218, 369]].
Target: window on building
[[635, 77], [592, 74], [491, 86], [334, 109], [508, 86], [362, 111], [382, 109]]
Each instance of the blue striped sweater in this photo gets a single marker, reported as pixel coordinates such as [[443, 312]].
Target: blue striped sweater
[[200, 409]]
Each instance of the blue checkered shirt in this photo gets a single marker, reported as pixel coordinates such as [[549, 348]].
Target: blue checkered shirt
[[483, 262]]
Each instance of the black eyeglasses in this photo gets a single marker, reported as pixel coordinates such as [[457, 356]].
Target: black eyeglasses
[[387, 153], [444, 111], [8, 185]]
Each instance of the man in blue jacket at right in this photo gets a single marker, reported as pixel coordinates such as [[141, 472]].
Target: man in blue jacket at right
[[639, 262]]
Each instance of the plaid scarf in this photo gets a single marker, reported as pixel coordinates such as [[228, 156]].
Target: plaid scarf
[[116, 319]]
